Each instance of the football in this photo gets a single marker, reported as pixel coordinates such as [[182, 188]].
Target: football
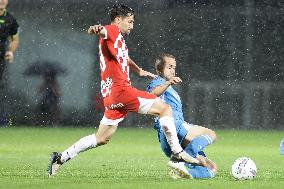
[[244, 168]]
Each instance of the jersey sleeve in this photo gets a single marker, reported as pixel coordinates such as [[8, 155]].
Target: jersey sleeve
[[154, 83], [111, 36], [14, 28]]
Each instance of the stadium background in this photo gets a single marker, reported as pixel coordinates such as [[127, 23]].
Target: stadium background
[[229, 54]]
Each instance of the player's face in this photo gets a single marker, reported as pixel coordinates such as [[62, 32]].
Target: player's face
[[170, 68], [126, 24], [3, 4]]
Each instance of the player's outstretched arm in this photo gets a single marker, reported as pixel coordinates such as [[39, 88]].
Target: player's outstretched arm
[[97, 30], [160, 89], [139, 70]]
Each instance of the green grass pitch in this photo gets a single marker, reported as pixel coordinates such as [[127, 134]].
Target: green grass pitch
[[132, 159]]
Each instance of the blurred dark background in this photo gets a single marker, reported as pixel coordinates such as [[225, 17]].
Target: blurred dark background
[[230, 55]]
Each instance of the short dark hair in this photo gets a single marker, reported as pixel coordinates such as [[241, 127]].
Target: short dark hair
[[160, 62], [120, 10]]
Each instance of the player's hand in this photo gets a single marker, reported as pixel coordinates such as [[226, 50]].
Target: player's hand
[[183, 156], [9, 56], [175, 80], [96, 29], [144, 73]]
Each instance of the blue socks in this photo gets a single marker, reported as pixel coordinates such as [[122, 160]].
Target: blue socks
[[194, 148], [198, 144]]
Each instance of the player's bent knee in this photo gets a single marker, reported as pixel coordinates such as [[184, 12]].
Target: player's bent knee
[[166, 110], [161, 109], [213, 135], [210, 132]]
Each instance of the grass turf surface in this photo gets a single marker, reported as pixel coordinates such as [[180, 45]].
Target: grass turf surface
[[132, 159]]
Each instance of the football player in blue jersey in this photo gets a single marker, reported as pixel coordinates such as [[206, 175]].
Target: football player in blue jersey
[[193, 138]]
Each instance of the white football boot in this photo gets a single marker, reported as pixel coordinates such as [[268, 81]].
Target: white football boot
[[179, 170]]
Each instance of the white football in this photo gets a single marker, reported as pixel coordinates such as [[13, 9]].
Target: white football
[[244, 169]]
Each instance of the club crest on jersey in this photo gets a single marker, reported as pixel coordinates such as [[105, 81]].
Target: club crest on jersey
[[106, 87]]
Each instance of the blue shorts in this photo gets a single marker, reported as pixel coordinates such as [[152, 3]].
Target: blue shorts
[[182, 130]]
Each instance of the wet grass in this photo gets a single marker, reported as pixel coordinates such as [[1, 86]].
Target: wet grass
[[132, 159]]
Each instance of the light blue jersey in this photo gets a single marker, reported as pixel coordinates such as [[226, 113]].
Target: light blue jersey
[[196, 146], [170, 97]]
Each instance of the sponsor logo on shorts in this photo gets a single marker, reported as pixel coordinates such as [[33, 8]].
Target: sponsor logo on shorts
[[116, 106]]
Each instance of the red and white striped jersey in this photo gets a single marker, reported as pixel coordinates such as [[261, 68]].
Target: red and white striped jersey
[[114, 64]]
